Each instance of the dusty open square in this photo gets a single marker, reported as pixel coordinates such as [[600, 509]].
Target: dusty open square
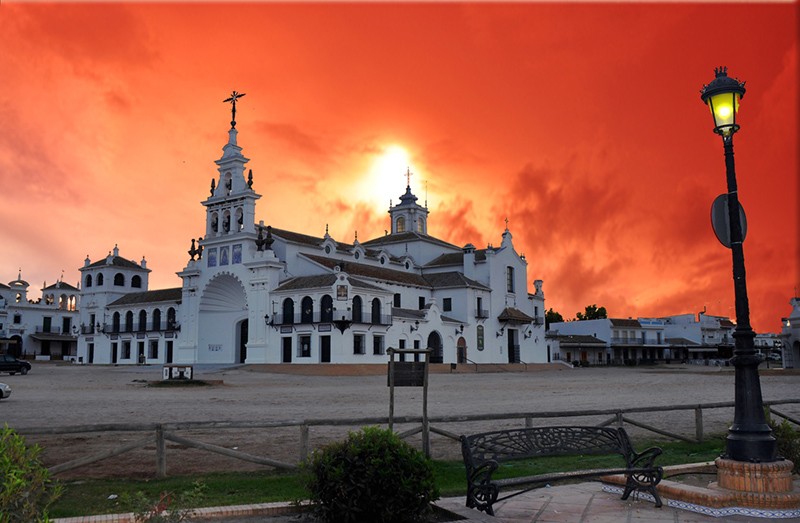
[[64, 395]]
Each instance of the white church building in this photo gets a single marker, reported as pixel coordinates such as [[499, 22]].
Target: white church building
[[252, 293]]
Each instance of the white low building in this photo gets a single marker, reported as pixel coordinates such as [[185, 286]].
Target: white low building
[[253, 293], [790, 336]]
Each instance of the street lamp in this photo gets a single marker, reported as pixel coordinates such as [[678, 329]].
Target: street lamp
[[749, 437]]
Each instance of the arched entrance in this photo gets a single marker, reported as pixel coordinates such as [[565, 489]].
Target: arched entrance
[[461, 350], [435, 343], [222, 318]]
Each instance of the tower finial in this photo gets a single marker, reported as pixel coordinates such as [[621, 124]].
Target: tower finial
[[232, 99], [408, 177]]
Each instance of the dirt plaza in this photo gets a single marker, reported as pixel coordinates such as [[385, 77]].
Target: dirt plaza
[[59, 395]]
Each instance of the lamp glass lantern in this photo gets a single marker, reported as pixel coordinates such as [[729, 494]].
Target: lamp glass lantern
[[722, 96]]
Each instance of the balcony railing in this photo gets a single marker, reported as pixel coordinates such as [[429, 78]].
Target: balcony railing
[[317, 317], [481, 313]]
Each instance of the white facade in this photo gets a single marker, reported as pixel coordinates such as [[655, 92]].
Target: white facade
[[790, 336], [43, 328], [256, 294]]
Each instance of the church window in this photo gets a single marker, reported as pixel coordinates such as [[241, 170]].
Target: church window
[[226, 221], [19, 297], [17, 319], [119, 280], [142, 321], [401, 224], [288, 311], [100, 279], [307, 310], [383, 260], [377, 344], [327, 249], [510, 279], [136, 282], [358, 344], [228, 182], [421, 225], [129, 321], [214, 222], [357, 309], [397, 299], [376, 311], [88, 280], [421, 302], [326, 309], [171, 323], [408, 265], [357, 255], [447, 304], [157, 320], [304, 347], [115, 322], [48, 299]]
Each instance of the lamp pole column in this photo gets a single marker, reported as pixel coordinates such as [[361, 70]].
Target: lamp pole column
[[750, 436]]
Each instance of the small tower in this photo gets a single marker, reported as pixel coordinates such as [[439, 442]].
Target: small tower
[[408, 215], [230, 208]]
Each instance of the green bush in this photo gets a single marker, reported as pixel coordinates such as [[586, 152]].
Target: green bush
[[371, 477], [26, 490], [170, 507], [788, 442]]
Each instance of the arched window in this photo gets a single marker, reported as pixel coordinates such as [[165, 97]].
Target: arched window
[[100, 279], [49, 299], [357, 312], [376, 311], [171, 323], [157, 320], [401, 224], [119, 280], [239, 219], [129, 321], [115, 322], [307, 310], [326, 309], [88, 280], [136, 282], [214, 222], [421, 225], [142, 320], [226, 221], [63, 302], [288, 311]]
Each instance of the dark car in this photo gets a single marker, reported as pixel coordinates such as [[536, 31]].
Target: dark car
[[12, 365]]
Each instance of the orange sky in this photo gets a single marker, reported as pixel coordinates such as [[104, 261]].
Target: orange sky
[[580, 123]]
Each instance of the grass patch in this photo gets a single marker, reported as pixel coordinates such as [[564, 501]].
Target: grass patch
[[90, 497]]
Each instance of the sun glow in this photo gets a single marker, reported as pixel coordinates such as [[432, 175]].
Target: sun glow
[[386, 177]]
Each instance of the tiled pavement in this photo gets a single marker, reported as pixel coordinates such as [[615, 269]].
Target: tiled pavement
[[577, 503]]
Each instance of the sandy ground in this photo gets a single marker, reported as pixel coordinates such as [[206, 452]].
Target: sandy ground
[[56, 395]]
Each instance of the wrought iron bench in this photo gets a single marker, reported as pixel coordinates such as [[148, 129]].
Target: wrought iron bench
[[484, 452]]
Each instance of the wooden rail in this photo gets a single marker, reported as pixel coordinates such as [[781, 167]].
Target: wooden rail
[[162, 432]]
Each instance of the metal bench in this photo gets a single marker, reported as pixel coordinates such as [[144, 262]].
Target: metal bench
[[484, 452]]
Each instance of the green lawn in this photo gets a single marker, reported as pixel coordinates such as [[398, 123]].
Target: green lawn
[[90, 497]]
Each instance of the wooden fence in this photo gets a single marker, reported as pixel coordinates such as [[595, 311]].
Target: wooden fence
[[160, 433]]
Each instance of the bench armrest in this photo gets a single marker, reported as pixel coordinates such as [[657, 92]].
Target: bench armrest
[[645, 458]]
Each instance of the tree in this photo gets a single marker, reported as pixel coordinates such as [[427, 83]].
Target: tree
[[592, 312], [551, 316]]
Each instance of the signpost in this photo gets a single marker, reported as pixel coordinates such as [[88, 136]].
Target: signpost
[[410, 374]]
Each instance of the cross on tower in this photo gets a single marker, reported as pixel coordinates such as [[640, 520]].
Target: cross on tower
[[506, 222], [234, 96], [408, 176]]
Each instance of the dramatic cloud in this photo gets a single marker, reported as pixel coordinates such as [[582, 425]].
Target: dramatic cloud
[[579, 123]]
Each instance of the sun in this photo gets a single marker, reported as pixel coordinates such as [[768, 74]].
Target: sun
[[385, 178]]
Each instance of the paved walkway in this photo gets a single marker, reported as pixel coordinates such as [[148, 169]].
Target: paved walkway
[[577, 503]]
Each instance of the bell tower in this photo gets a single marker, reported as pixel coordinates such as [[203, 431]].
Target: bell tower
[[230, 208], [408, 215]]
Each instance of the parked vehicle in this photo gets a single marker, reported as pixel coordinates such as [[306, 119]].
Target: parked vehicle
[[12, 365], [5, 391]]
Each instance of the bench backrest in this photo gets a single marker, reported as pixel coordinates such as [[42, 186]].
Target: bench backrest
[[504, 445]]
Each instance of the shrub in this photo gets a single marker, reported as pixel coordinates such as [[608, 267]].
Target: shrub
[[371, 477], [26, 490], [169, 508], [788, 440]]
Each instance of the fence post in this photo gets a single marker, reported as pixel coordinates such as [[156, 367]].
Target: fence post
[[303, 442], [161, 453], [620, 422], [528, 422], [698, 424]]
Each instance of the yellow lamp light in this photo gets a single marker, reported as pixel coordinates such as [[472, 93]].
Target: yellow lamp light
[[722, 97]]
